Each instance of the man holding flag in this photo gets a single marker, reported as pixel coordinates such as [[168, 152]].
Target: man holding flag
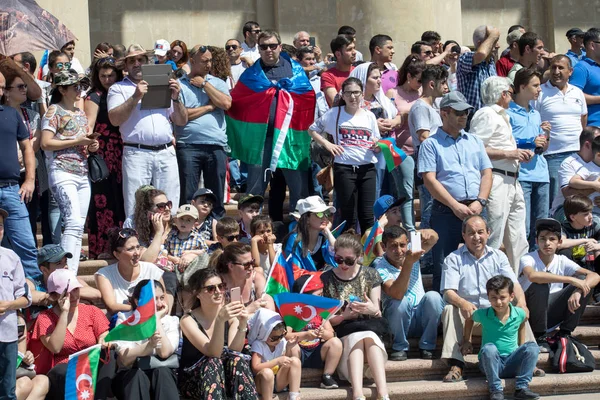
[[272, 107]]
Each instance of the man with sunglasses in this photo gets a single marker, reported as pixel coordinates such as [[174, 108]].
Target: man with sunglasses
[[148, 152], [458, 174], [586, 75], [233, 48], [250, 53]]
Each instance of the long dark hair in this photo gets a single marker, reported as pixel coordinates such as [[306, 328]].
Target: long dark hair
[[230, 254], [302, 234], [137, 291], [345, 84], [143, 204], [197, 281], [104, 63], [411, 65]]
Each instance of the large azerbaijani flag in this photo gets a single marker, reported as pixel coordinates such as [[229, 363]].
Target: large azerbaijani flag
[[248, 117], [392, 154], [297, 310], [82, 369], [141, 324]]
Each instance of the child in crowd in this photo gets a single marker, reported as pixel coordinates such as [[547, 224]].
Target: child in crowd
[[555, 294], [587, 176], [318, 345], [29, 384], [204, 200], [249, 206], [227, 231], [13, 296], [263, 243], [185, 242], [503, 352], [273, 365], [387, 211]]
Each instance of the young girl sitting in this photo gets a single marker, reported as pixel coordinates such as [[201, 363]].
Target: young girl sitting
[[263, 243], [273, 365]]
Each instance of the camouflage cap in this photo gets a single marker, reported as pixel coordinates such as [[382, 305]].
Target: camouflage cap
[[66, 78]]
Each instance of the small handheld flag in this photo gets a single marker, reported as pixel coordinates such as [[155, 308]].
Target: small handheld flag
[[298, 310], [337, 231], [82, 369], [374, 237], [277, 281], [19, 359], [142, 322], [392, 154]]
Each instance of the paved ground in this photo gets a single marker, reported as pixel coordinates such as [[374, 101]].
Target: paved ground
[[587, 396]]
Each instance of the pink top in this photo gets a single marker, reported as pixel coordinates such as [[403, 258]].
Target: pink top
[[404, 102]]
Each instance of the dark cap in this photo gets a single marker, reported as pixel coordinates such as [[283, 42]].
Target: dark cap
[[455, 100], [52, 253], [575, 32], [207, 193], [248, 199], [548, 224], [384, 203]]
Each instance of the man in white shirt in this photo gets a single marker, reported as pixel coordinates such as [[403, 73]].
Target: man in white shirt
[[564, 106], [148, 152], [250, 53], [506, 205], [233, 48]]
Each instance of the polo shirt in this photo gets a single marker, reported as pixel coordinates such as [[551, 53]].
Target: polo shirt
[[504, 335], [209, 128], [575, 58], [422, 116], [586, 76], [468, 276], [470, 77], [12, 131], [252, 52], [564, 112], [148, 127], [560, 265], [526, 126], [457, 162], [492, 125], [568, 169]]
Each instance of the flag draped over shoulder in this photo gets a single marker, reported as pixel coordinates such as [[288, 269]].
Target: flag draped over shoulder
[[82, 369], [142, 322], [248, 117], [297, 310]]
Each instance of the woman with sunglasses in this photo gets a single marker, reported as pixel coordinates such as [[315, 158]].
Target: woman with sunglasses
[[214, 332], [57, 61], [180, 55], [311, 242], [360, 288], [137, 378], [116, 281], [236, 267], [355, 135], [67, 141], [107, 205]]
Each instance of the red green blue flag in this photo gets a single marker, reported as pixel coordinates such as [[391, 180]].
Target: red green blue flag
[[297, 310], [392, 154], [338, 230], [374, 237], [141, 324], [82, 369], [248, 117], [278, 279]]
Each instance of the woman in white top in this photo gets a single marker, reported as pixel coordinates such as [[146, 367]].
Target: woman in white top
[[136, 378], [355, 134], [116, 280]]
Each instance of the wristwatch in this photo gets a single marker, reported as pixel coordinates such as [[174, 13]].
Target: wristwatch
[[483, 202]]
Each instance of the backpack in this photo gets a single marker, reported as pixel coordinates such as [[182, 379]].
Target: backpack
[[569, 355]]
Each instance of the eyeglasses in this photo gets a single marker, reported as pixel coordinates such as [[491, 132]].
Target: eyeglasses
[[460, 113], [345, 260], [106, 61], [66, 65], [232, 238], [247, 265], [256, 31], [22, 87], [323, 214], [126, 233], [272, 46], [162, 206], [355, 93], [211, 288], [277, 338], [231, 47]]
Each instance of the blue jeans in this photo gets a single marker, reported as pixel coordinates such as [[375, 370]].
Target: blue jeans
[[400, 183], [238, 172], [537, 206], [8, 370], [554, 161], [519, 365], [316, 186], [421, 320], [17, 231]]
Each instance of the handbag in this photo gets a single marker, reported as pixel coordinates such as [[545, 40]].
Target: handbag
[[151, 362], [325, 175], [569, 355], [325, 178], [98, 170], [378, 325]]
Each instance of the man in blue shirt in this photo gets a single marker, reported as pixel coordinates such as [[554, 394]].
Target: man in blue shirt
[[458, 174], [202, 141], [576, 52], [586, 75]]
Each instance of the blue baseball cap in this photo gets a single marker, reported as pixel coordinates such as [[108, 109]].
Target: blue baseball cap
[[384, 203], [52, 253]]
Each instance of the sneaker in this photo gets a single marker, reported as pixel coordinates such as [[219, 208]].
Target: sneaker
[[398, 356], [327, 382], [426, 354], [525, 394], [497, 396], [543, 344]]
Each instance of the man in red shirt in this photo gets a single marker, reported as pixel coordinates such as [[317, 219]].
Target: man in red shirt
[[510, 55], [344, 50]]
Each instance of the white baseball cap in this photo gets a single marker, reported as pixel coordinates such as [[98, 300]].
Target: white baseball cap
[[161, 47], [313, 204]]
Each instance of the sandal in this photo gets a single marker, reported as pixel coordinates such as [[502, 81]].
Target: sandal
[[538, 372], [454, 375]]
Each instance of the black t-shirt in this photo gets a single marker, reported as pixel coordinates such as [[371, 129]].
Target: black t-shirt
[[12, 130], [577, 253]]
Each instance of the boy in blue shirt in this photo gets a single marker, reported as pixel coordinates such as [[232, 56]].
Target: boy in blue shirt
[[503, 328]]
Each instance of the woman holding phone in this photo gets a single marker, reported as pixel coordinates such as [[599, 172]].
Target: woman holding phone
[[67, 142]]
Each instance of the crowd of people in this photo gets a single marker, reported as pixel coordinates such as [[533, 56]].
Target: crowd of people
[[502, 149]]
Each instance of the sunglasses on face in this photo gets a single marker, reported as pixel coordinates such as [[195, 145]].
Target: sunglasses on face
[[256, 31], [428, 52], [461, 113], [232, 238], [22, 87], [162, 206], [272, 46], [231, 47], [211, 288], [66, 65], [323, 214], [277, 338], [247, 265], [78, 87], [345, 260]]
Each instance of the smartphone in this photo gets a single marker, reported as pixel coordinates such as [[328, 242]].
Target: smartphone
[[415, 241], [21, 330], [312, 41], [235, 294], [354, 298]]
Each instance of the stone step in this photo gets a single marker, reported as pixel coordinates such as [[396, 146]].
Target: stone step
[[475, 388], [40, 240]]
